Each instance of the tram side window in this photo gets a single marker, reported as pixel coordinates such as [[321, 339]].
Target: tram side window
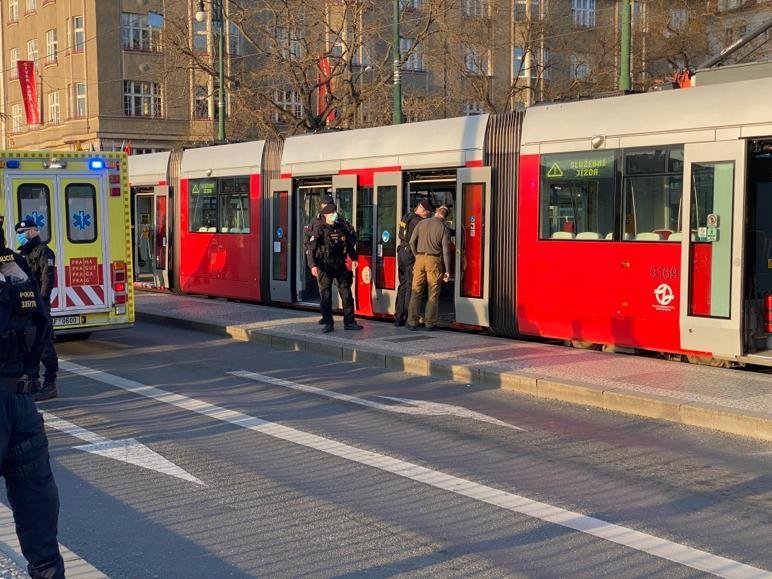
[[202, 205], [365, 221], [577, 196], [35, 204], [80, 199], [234, 205], [653, 182]]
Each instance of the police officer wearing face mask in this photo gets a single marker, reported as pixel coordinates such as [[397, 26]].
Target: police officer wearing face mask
[[24, 460], [317, 221], [42, 262], [329, 245]]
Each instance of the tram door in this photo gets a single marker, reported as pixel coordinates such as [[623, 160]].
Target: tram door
[[281, 245], [309, 200], [473, 206], [151, 237], [350, 207], [387, 210], [712, 248]]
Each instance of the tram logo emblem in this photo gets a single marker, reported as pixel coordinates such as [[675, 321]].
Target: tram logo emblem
[[555, 171], [664, 294]]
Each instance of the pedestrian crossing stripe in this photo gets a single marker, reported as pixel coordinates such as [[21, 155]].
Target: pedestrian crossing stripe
[[555, 171]]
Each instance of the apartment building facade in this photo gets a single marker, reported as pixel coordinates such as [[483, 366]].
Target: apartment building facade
[[142, 74]]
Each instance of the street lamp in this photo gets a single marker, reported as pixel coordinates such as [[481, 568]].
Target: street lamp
[[217, 18]]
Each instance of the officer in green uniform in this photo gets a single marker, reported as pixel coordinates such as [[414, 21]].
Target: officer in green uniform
[[331, 242]]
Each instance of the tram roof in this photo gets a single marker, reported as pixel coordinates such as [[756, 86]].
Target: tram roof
[[223, 160], [698, 114], [148, 169], [428, 144]]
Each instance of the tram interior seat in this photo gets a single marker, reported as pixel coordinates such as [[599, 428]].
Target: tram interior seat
[[202, 229], [588, 235], [648, 236], [211, 229], [676, 236], [562, 235], [610, 235]]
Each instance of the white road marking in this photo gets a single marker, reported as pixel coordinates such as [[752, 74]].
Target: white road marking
[[669, 550], [127, 450], [74, 565], [414, 407]]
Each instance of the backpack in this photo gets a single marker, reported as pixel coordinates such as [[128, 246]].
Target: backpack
[[19, 332]]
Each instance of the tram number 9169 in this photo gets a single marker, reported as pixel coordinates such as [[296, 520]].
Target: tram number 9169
[[657, 272]]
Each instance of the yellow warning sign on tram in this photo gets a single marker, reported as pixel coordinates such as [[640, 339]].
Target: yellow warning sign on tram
[[555, 171]]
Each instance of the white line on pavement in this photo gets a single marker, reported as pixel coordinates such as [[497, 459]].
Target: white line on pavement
[[414, 407], [74, 566], [128, 450], [643, 542]]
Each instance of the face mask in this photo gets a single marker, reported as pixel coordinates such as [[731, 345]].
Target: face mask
[[332, 218], [21, 238]]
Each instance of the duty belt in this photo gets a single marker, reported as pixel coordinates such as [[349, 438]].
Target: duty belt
[[16, 385], [428, 254]]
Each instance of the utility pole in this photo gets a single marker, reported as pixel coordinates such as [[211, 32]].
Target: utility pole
[[625, 82], [396, 117], [218, 19]]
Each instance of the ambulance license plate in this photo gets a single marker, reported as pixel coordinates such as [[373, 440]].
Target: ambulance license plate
[[66, 321]]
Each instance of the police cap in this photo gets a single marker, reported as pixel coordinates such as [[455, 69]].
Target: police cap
[[25, 224], [329, 208], [426, 204]]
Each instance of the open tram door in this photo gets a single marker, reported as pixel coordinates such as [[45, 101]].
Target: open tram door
[[712, 250], [281, 244], [356, 211], [151, 236], [473, 207], [387, 210]]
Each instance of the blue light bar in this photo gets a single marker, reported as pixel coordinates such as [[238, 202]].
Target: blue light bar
[[96, 164], [12, 164]]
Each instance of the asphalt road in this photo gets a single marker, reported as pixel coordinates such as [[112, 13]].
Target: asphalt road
[[267, 477]]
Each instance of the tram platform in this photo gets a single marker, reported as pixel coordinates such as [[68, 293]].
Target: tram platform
[[733, 401]]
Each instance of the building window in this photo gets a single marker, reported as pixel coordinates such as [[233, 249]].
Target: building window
[[138, 34], [235, 41], [200, 103], [580, 69], [52, 47], [32, 50], [200, 39], [412, 4], [79, 108], [583, 13], [288, 43], [13, 11], [471, 108], [15, 58], [416, 60], [32, 5], [287, 100], [16, 118], [142, 99], [519, 69], [678, 19], [478, 8], [78, 34], [476, 60], [521, 10], [54, 112]]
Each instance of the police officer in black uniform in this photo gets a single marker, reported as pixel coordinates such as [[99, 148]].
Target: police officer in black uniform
[[317, 221], [405, 257], [24, 461], [329, 245], [42, 262]]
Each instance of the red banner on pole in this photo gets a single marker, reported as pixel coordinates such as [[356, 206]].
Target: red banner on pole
[[29, 90]]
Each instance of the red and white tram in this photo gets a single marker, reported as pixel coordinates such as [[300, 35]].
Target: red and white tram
[[638, 222]]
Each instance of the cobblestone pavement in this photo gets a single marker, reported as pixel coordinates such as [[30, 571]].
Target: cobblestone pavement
[[737, 401]]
